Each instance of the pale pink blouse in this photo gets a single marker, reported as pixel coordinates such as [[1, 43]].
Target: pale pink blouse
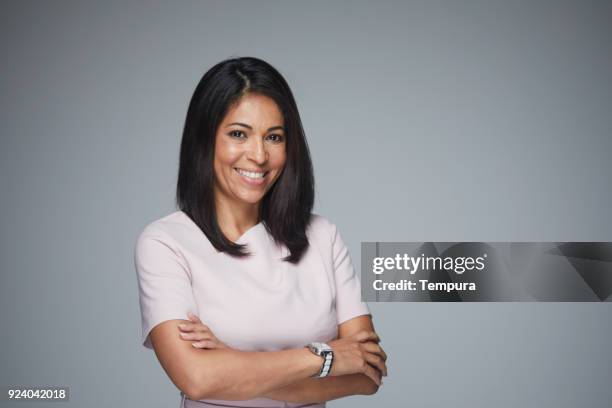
[[257, 303]]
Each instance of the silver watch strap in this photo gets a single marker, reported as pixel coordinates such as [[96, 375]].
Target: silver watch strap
[[326, 368]]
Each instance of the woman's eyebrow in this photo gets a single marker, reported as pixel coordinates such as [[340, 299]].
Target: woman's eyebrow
[[249, 127]]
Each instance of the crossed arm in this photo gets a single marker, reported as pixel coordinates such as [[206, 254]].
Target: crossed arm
[[311, 390], [284, 375]]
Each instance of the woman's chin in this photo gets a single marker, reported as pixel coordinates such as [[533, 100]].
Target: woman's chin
[[252, 199]]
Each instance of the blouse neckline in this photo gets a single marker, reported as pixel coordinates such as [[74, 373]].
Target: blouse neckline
[[242, 238], [248, 231]]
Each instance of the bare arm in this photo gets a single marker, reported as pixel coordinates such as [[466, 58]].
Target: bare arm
[[314, 390], [227, 373], [311, 390]]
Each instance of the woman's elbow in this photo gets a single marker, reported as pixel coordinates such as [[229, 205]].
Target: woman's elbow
[[192, 393], [371, 388], [198, 391], [200, 387]]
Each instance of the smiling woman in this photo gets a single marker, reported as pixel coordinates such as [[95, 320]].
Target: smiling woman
[[243, 276], [242, 116], [249, 156]]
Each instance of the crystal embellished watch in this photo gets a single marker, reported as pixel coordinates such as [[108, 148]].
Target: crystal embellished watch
[[323, 350]]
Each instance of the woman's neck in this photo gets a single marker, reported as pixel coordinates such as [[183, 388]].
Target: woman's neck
[[235, 219]]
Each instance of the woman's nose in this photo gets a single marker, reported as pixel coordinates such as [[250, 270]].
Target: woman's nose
[[257, 151]]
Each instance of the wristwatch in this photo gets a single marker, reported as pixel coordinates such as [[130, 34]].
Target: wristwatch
[[323, 350]]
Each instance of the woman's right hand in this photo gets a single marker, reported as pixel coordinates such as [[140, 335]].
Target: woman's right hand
[[359, 353], [198, 331]]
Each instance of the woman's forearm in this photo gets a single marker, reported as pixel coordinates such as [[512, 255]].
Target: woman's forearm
[[313, 390], [240, 375]]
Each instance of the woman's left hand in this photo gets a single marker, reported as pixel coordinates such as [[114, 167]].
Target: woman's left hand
[[199, 334]]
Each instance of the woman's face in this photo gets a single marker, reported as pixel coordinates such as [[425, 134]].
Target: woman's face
[[249, 150]]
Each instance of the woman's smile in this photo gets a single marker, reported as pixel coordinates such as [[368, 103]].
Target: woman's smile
[[253, 177]]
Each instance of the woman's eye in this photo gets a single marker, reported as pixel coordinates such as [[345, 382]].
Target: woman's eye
[[236, 133], [276, 138]]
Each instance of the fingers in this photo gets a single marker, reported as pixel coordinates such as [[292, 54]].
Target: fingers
[[206, 344], [366, 335], [376, 361], [373, 373], [198, 331], [376, 356], [371, 347], [188, 327], [194, 318], [209, 344], [195, 331], [197, 336]]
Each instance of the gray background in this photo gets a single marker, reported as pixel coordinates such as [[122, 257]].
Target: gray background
[[427, 121]]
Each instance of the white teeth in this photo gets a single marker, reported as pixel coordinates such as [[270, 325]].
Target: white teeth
[[251, 174]]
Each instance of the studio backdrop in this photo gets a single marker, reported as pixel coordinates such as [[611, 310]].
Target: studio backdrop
[[427, 122]]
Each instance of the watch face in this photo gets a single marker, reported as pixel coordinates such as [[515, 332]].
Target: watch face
[[319, 348], [316, 347]]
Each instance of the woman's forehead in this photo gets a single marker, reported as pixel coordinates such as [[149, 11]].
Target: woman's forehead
[[255, 109]]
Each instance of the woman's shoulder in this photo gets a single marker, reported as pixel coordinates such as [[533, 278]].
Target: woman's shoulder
[[169, 228], [321, 226], [163, 224]]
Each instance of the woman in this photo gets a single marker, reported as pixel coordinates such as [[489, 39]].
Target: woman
[[236, 283]]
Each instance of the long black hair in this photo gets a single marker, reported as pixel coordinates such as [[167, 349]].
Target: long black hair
[[286, 207]]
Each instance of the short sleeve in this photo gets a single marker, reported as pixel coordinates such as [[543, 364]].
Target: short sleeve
[[164, 284], [348, 286]]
